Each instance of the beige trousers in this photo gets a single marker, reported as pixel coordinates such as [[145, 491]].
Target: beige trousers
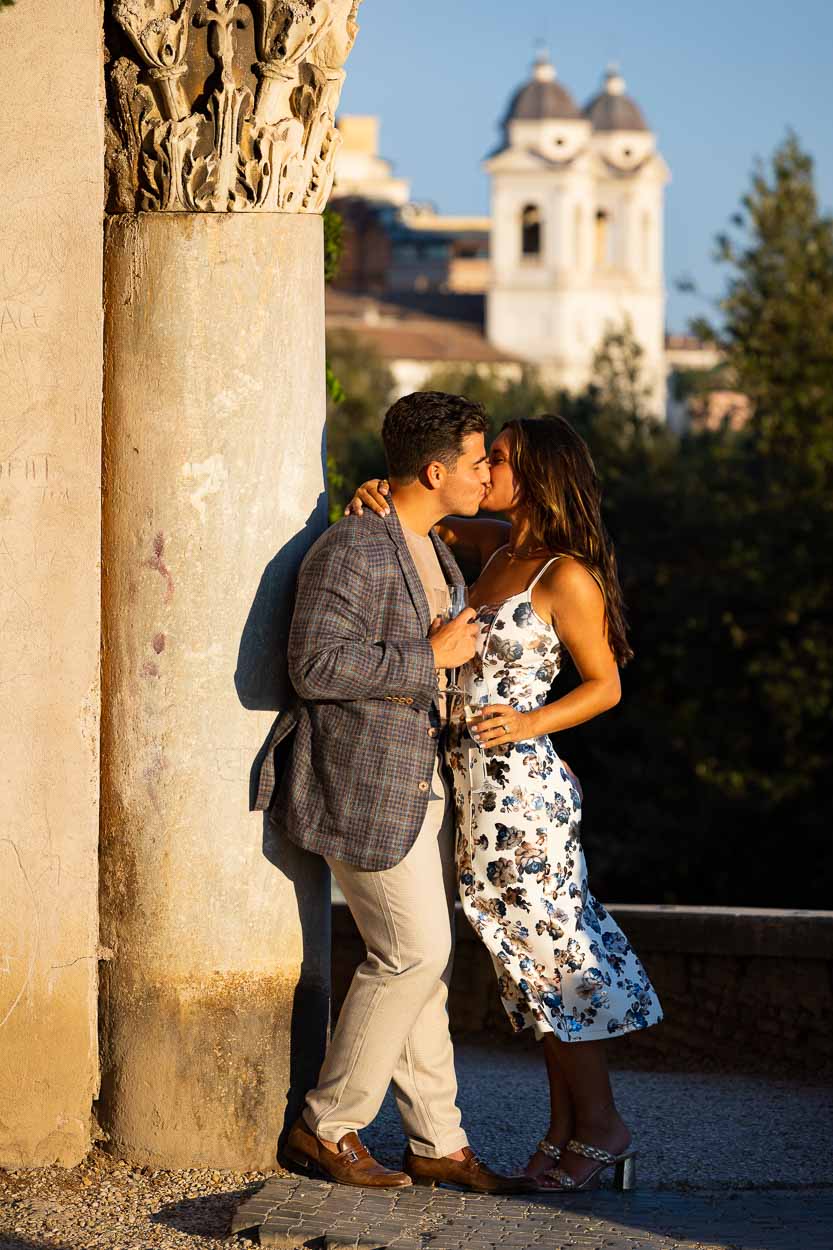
[[393, 1026]]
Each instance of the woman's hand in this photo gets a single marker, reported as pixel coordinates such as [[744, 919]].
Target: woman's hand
[[372, 494], [498, 723]]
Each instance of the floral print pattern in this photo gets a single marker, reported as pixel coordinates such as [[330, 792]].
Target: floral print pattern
[[563, 965]]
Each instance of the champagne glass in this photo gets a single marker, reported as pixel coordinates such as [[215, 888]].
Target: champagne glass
[[458, 599], [473, 705], [458, 596]]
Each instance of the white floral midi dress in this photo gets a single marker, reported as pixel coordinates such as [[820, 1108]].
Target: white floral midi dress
[[563, 964]]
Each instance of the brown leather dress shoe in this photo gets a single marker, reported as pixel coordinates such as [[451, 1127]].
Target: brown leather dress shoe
[[351, 1164], [469, 1173]]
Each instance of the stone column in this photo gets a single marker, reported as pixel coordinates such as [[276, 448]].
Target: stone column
[[215, 1003], [51, 153]]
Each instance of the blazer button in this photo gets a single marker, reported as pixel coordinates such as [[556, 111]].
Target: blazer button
[[432, 733], [423, 785]]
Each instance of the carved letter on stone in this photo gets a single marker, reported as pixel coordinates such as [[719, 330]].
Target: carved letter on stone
[[230, 148]]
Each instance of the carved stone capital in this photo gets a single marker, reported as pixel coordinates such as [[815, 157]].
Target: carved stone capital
[[228, 143]]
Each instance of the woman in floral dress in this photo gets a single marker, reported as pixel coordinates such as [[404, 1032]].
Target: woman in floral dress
[[564, 967]]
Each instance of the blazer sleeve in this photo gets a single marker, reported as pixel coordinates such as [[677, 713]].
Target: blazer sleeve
[[330, 653]]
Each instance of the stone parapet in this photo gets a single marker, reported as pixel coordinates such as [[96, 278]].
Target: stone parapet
[[742, 988]]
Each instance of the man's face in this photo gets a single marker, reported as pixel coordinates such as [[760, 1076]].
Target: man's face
[[464, 488], [503, 491]]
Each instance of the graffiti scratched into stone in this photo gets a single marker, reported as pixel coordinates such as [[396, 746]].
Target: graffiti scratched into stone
[[19, 937], [19, 318], [34, 468]]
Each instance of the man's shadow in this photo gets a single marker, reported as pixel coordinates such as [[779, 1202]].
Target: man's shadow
[[262, 683], [261, 677]]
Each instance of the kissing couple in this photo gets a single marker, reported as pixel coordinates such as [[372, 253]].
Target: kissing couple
[[418, 762]]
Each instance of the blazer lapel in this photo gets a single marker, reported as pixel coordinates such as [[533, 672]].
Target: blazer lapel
[[409, 571]]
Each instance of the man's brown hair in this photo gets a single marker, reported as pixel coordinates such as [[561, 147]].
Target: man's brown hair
[[427, 426]]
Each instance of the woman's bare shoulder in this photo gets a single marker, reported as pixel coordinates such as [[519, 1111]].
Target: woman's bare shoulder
[[568, 579]]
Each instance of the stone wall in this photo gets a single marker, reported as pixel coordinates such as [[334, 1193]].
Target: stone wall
[[742, 988], [215, 152], [51, 157]]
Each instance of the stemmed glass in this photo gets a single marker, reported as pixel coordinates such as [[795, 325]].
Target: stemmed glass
[[458, 599], [473, 705]]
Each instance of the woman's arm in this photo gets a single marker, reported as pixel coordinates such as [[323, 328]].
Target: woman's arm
[[570, 597], [473, 538]]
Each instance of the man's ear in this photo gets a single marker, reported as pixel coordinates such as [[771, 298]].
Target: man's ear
[[433, 475]]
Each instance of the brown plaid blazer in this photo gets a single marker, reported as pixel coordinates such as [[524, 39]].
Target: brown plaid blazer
[[347, 771]]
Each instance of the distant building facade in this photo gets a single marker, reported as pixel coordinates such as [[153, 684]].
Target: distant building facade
[[360, 170], [390, 243], [573, 246]]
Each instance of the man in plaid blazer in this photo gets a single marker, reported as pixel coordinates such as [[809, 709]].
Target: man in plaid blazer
[[354, 773], [366, 730]]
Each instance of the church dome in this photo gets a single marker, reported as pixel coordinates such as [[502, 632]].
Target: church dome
[[542, 98], [611, 109]]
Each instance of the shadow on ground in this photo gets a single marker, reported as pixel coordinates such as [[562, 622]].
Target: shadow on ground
[[209, 1215]]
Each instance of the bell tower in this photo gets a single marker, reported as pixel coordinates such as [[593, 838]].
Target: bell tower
[[577, 203]]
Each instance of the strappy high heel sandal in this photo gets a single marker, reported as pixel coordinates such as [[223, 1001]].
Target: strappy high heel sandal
[[624, 1165], [552, 1152]]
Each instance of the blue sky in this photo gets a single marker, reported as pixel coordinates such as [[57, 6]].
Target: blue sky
[[720, 83]]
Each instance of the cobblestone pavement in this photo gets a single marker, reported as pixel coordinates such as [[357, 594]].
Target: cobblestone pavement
[[725, 1161], [292, 1213]]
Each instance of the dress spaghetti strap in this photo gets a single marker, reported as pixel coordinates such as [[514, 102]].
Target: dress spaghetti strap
[[536, 579], [490, 559]]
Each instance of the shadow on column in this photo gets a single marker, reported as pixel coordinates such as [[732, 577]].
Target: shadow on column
[[262, 683], [261, 678], [310, 1023]]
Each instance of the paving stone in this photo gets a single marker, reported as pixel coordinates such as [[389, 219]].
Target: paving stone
[[278, 1237], [762, 1220], [341, 1239]]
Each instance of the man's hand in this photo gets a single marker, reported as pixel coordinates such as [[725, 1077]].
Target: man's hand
[[454, 642]]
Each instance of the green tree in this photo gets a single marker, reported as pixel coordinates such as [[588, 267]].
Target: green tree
[[333, 243], [777, 333], [618, 373], [777, 313], [354, 415], [613, 415], [723, 544], [503, 398], [778, 337]]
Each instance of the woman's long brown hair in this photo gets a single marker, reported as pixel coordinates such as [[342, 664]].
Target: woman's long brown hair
[[561, 495]]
